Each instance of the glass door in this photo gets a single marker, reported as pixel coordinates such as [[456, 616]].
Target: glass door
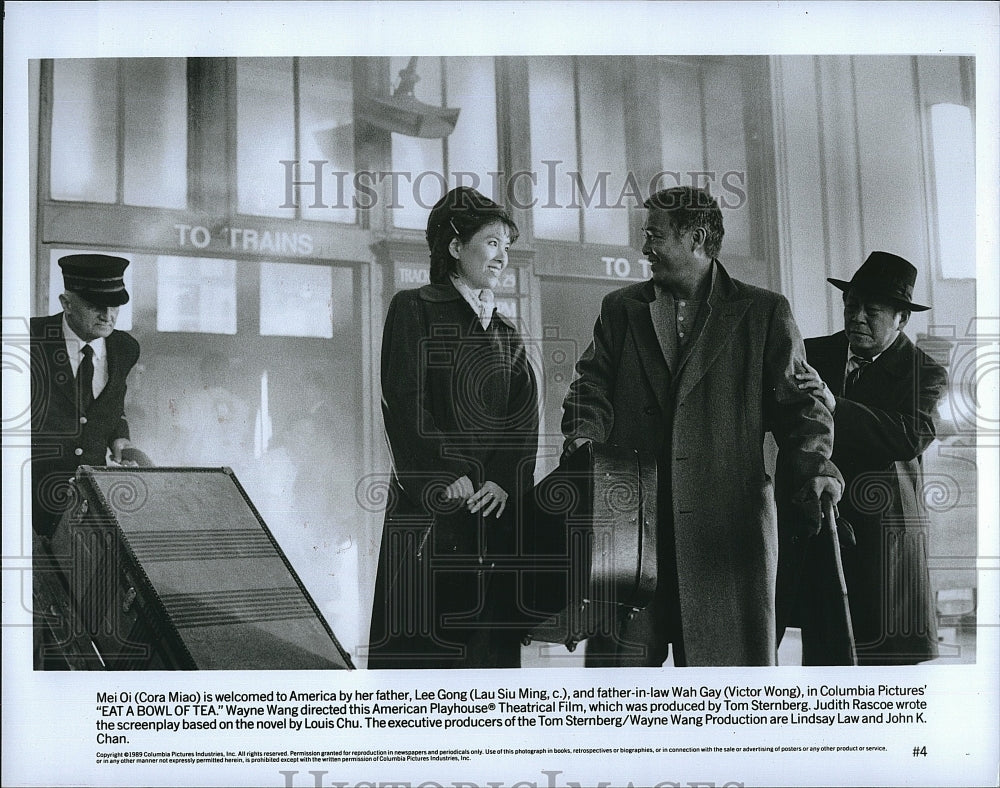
[[257, 366]]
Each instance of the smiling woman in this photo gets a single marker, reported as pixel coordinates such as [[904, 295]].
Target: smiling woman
[[461, 420], [484, 257]]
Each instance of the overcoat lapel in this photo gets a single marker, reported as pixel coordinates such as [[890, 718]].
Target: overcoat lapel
[[649, 350], [828, 355], [662, 315], [721, 323], [883, 374], [829, 358]]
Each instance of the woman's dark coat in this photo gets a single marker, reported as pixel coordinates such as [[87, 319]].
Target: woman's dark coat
[[457, 400]]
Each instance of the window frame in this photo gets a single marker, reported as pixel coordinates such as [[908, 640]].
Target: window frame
[[643, 149]]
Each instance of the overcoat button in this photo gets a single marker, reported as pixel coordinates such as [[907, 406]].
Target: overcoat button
[[77, 451]]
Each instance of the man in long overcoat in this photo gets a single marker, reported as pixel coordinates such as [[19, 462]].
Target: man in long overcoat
[[696, 367], [883, 392]]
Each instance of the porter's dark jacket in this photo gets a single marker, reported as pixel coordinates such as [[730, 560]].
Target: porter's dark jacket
[[63, 437]]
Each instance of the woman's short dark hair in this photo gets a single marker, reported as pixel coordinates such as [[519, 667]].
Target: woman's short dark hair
[[461, 213]]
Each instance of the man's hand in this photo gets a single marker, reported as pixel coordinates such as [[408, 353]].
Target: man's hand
[[460, 488], [575, 444], [808, 501], [117, 447], [818, 486], [492, 496], [809, 380]]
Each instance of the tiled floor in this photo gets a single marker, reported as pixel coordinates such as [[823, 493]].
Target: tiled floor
[[957, 647], [550, 655]]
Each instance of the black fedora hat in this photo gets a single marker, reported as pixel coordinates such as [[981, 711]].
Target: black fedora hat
[[96, 278], [887, 276]]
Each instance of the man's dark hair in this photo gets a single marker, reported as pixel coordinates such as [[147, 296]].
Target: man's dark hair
[[690, 208]]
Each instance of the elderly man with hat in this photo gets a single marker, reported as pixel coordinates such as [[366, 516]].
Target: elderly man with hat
[[883, 392], [79, 366]]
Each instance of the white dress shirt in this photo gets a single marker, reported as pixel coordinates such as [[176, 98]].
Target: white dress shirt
[[854, 361], [481, 301], [74, 348]]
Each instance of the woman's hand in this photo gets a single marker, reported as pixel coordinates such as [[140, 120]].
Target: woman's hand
[[492, 496], [460, 488], [809, 380]]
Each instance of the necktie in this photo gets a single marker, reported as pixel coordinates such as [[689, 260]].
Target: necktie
[[855, 375], [85, 378]]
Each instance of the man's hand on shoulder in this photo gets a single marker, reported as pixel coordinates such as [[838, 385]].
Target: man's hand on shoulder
[[808, 379]]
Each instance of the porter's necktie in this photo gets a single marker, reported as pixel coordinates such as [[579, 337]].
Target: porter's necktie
[[85, 378]]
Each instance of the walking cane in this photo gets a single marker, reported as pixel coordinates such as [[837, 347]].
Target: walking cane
[[841, 629]]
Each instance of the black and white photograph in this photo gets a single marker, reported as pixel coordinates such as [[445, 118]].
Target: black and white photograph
[[493, 393]]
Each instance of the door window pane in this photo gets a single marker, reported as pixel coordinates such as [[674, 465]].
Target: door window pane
[[472, 146], [124, 322], [726, 146], [553, 146], [703, 133], [296, 300], [427, 167], [265, 135], [411, 156], [954, 161], [602, 136], [577, 187], [155, 163], [326, 110], [84, 130], [680, 132], [196, 295]]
